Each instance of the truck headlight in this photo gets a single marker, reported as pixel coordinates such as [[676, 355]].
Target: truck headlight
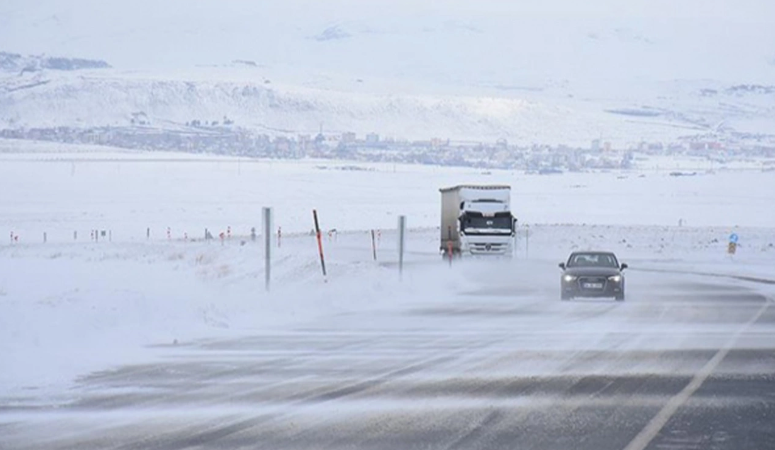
[[568, 278], [615, 278]]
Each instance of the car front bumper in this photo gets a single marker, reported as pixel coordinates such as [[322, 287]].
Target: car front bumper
[[584, 287]]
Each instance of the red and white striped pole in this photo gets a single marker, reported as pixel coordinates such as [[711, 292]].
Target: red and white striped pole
[[320, 242]]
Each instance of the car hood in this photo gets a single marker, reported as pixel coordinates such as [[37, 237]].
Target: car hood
[[592, 271]]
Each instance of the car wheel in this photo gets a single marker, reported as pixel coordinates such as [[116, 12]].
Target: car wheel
[[620, 297], [564, 297]]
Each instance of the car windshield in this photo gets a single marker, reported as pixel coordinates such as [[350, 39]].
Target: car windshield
[[593, 260]]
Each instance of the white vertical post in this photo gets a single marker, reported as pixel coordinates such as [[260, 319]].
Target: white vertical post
[[266, 221], [401, 244], [527, 241]]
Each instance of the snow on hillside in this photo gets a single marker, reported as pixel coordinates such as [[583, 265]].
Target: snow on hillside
[[561, 72], [111, 98]]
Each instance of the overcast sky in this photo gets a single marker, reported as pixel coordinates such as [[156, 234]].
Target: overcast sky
[[459, 39]]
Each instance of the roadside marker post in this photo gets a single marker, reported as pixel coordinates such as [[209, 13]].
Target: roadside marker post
[[401, 244], [450, 245], [527, 241], [320, 244], [266, 221], [373, 245]]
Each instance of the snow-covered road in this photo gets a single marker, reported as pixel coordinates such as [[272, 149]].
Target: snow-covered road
[[497, 361]]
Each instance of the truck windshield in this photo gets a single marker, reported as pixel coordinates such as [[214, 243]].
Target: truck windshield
[[479, 224]]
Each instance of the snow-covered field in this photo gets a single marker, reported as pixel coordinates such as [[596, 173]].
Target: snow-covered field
[[68, 306]]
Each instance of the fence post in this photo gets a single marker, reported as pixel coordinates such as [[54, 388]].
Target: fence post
[[401, 244], [45, 237]]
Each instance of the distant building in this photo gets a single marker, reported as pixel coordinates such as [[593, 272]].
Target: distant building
[[348, 137], [372, 138], [438, 142], [656, 146], [595, 147]]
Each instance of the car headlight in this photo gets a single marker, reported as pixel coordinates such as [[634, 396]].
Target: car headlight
[[568, 278], [615, 278]]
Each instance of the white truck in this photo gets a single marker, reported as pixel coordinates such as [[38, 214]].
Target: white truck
[[477, 220]]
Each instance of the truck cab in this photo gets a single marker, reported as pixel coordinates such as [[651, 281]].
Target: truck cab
[[477, 220]]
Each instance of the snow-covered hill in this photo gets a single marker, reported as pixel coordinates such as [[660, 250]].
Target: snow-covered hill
[[248, 97], [558, 72]]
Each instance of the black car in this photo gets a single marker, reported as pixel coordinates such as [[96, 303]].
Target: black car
[[592, 274]]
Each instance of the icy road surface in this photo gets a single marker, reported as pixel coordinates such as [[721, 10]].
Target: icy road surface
[[686, 362]]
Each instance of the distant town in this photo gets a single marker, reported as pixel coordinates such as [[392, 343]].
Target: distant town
[[223, 138]]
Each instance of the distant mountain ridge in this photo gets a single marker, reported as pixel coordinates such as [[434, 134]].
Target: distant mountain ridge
[[15, 62]]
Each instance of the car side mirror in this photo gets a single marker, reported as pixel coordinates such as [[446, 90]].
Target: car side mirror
[[624, 266], [562, 266]]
